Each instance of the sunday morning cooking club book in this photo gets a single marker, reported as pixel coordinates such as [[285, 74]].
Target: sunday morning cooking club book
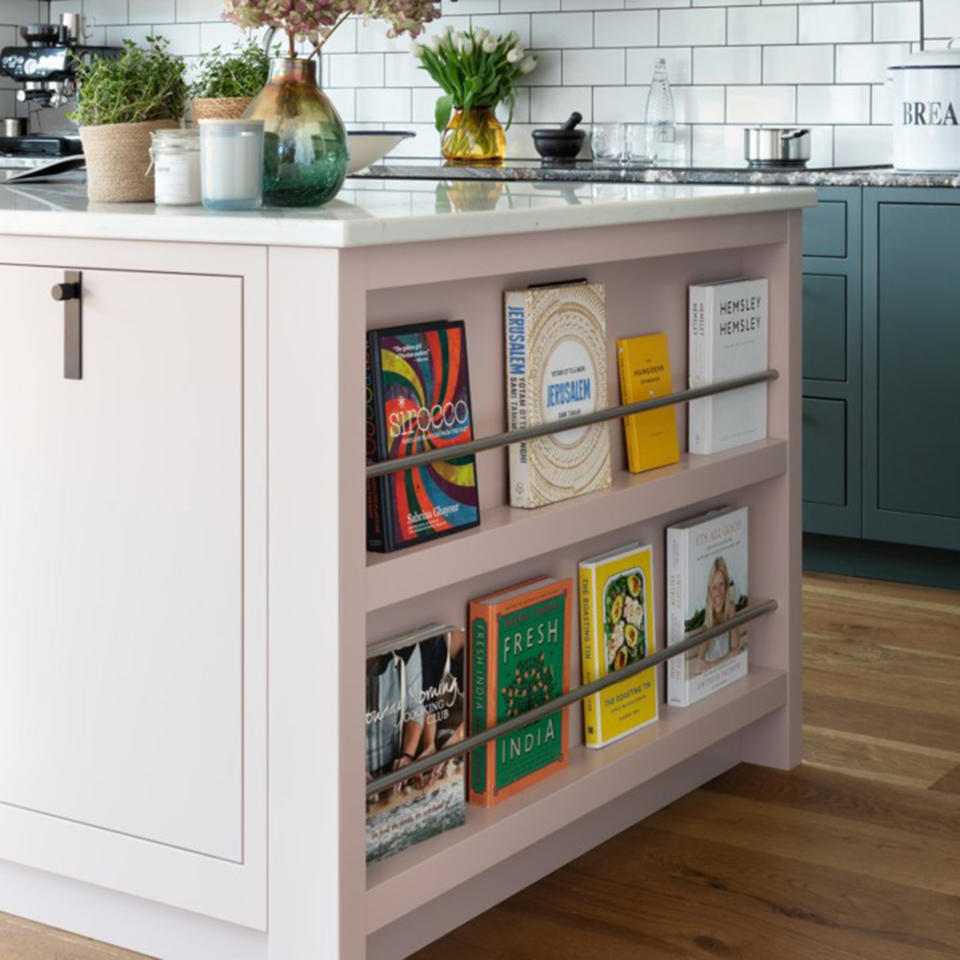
[[415, 706], [729, 322], [418, 399], [706, 586], [617, 629], [556, 353], [519, 660]]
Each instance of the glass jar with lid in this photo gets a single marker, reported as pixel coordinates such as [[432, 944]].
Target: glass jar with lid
[[176, 164]]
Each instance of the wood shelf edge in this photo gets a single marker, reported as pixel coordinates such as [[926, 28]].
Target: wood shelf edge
[[522, 534], [593, 778]]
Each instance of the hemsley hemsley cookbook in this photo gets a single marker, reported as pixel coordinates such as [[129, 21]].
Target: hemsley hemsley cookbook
[[418, 399], [729, 324]]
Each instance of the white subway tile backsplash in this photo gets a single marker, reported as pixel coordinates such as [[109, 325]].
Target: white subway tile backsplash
[[562, 30], [825, 103], [942, 18], [704, 27], [840, 23], [502, 23], [152, 11], [822, 63], [750, 25], [867, 63], [357, 69], [625, 28], [640, 63], [593, 67], [619, 104], [726, 65], [859, 145], [896, 21], [761, 104], [555, 104], [788, 64], [375, 104]]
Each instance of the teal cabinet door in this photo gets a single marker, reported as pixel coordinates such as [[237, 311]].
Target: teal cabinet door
[[824, 451], [911, 422], [832, 265]]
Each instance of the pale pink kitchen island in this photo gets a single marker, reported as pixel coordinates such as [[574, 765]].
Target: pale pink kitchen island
[[185, 597]]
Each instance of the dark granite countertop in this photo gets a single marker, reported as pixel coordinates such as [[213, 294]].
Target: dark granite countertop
[[586, 171]]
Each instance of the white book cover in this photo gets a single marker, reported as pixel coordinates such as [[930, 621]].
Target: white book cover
[[556, 354], [707, 561], [729, 323]]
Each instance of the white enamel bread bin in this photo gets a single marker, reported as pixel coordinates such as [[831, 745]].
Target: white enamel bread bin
[[926, 111]]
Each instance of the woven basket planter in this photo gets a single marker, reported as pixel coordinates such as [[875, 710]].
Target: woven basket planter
[[118, 160], [219, 108]]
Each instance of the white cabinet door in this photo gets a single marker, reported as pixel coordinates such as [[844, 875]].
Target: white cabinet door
[[122, 581]]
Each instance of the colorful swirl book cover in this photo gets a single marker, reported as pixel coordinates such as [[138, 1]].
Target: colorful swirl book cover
[[418, 400]]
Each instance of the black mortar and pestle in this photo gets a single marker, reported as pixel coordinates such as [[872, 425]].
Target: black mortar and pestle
[[560, 144]]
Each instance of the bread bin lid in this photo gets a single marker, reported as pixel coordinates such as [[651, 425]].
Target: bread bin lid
[[929, 59]]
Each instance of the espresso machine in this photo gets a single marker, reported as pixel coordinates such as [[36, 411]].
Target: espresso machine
[[44, 67]]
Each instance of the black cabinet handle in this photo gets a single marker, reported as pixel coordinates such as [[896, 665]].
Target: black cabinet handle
[[70, 294], [65, 291]]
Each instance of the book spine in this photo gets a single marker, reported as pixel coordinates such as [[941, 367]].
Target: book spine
[[629, 423], [374, 487], [384, 484], [479, 647], [589, 648], [698, 410], [676, 584], [517, 400]]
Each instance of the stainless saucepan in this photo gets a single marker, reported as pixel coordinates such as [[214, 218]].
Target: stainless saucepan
[[776, 146]]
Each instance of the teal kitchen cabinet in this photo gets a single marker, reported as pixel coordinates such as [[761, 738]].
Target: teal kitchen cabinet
[[832, 382], [911, 366]]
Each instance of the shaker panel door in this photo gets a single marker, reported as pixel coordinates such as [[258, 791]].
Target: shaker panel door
[[122, 571], [911, 401]]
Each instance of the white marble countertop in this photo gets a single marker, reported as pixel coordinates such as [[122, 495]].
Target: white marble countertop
[[369, 212]]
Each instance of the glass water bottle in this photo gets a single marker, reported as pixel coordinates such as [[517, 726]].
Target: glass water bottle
[[661, 125]]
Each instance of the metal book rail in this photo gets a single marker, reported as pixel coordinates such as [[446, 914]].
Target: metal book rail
[[558, 426], [566, 699]]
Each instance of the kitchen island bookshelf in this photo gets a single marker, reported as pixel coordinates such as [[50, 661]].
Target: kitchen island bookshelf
[[274, 868]]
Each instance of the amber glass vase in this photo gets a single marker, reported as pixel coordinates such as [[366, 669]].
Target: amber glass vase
[[305, 142], [474, 136]]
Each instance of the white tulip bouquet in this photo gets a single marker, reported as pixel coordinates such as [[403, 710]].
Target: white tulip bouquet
[[475, 69]]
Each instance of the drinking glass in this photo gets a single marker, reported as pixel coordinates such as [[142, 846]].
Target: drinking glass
[[635, 141], [607, 143]]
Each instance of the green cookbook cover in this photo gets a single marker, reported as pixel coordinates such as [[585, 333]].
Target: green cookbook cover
[[519, 660]]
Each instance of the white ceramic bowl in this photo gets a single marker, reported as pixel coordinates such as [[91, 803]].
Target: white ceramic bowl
[[369, 146]]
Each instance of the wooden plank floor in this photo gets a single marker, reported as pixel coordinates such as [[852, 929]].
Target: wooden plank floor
[[853, 856]]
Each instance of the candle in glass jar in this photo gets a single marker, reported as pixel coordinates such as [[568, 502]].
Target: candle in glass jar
[[231, 160]]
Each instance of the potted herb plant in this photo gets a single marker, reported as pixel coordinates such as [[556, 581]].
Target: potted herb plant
[[119, 103], [227, 82], [477, 70]]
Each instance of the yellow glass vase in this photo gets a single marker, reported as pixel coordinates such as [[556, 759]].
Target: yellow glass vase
[[474, 136]]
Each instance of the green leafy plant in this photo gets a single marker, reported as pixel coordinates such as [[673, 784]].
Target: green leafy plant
[[239, 74], [474, 69], [141, 84]]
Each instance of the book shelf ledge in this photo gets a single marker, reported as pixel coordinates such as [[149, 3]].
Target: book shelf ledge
[[604, 415], [399, 885], [506, 531]]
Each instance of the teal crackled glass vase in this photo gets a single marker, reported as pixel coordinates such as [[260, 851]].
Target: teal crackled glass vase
[[305, 141]]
